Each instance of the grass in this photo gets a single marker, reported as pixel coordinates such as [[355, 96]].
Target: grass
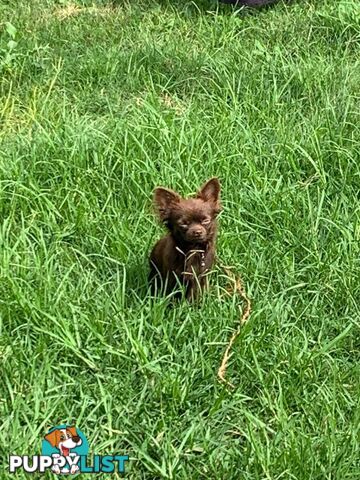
[[99, 103]]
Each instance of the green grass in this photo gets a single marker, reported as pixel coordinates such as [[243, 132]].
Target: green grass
[[97, 107]]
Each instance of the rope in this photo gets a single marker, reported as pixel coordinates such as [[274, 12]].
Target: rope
[[237, 287]]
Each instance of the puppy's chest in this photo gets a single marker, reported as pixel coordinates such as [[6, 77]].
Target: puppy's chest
[[193, 263]]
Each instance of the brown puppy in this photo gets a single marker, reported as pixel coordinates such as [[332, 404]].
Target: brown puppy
[[187, 252]]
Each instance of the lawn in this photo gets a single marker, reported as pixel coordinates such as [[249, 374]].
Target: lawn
[[102, 101]]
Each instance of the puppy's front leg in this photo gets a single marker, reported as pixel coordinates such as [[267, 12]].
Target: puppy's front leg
[[195, 287], [74, 469], [192, 290], [55, 468]]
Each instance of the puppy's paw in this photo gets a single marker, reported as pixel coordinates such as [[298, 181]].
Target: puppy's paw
[[74, 469]]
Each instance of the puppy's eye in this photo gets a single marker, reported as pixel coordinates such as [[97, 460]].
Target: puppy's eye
[[62, 437], [206, 221], [183, 223]]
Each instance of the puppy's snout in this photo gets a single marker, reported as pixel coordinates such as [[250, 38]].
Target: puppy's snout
[[196, 232], [76, 439]]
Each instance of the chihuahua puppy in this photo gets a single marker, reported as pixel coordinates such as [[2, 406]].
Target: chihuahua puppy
[[187, 252]]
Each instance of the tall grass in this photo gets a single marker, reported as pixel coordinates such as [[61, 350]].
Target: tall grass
[[99, 103]]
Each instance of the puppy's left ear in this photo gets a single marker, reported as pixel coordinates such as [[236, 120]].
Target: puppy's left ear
[[72, 430], [210, 192]]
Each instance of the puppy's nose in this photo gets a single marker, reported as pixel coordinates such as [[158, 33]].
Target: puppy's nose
[[198, 232], [76, 439]]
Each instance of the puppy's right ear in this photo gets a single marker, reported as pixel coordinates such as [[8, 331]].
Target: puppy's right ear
[[52, 438], [164, 200]]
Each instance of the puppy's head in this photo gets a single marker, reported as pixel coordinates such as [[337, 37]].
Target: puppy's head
[[64, 437], [191, 220]]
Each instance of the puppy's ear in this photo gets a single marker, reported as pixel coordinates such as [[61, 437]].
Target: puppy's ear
[[53, 438], [72, 430], [210, 192], [164, 201]]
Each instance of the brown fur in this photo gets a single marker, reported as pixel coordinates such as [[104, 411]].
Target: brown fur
[[187, 252]]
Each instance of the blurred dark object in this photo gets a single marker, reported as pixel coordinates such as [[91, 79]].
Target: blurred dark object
[[250, 3]]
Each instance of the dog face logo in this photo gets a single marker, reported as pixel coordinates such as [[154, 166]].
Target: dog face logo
[[64, 439], [64, 451], [65, 442]]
